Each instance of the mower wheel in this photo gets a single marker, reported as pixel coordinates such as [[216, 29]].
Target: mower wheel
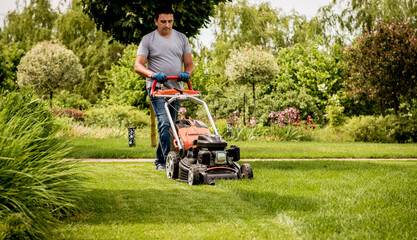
[[171, 165], [193, 176], [246, 171]]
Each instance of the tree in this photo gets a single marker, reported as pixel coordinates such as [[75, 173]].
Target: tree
[[49, 67], [20, 32], [128, 21], [306, 66], [345, 18], [96, 50], [250, 66], [307, 78], [240, 23], [383, 65]]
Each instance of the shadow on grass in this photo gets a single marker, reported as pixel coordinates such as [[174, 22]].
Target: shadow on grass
[[183, 206]]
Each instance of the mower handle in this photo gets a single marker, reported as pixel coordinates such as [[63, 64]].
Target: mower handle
[[170, 78]]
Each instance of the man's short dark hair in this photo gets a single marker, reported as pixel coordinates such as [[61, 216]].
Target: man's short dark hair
[[163, 10]]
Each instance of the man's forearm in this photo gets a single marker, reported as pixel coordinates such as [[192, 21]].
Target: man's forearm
[[189, 69], [141, 70]]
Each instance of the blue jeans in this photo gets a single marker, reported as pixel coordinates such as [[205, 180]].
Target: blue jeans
[[164, 145]]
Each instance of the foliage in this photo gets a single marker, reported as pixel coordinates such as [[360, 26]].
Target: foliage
[[20, 32], [347, 18], [96, 50], [238, 24], [49, 67], [10, 56], [128, 22], [383, 65], [65, 100], [251, 66], [299, 99], [382, 129], [305, 66], [125, 86], [116, 116], [34, 24], [37, 188], [307, 77], [71, 113], [334, 112], [71, 128]]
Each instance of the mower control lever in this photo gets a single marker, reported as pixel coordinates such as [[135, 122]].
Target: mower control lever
[[170, 78]]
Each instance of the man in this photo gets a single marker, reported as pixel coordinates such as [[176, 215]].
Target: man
[[166, 52]]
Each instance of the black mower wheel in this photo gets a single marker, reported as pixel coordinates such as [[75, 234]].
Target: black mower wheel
[[246, 171], [171, 165], [193, 176]]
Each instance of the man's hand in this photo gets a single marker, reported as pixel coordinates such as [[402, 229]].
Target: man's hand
[[184, 77], [160, 77]]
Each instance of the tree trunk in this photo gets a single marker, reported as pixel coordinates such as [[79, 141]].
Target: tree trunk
[[153, 126], [50, 98], [254, 101], [244, 109], [396, 105]]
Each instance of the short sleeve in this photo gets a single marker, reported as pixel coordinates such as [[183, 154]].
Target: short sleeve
[[187, 48], [143, 49]]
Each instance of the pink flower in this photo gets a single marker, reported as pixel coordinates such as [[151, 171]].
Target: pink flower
[[182, 110]]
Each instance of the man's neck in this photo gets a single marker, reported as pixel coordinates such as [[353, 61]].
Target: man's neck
[[165, 35]]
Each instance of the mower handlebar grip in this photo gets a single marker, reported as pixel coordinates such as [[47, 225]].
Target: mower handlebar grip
[[170, 78]]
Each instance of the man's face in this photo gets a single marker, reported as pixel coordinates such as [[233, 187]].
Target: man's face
[[164, 23]]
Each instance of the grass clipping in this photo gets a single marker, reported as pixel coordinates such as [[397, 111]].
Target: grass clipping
[[37, 188]]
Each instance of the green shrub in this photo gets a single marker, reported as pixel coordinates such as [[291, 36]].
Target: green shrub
[[66, 100], [405, 130], [334, 112], [382, 129], [116, 116], [37, 187]]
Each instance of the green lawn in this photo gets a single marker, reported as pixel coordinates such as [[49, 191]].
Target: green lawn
[[285, 200], [119, 148]]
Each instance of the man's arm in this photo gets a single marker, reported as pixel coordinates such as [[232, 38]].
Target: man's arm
[[140, 66], [188, 64]]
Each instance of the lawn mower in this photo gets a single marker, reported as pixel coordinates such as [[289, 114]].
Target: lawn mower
[[198, 156]]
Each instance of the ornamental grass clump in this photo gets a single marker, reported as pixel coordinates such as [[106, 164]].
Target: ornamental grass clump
[[37, 187]]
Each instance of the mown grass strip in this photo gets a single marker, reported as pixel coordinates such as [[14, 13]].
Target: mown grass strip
[[285, 200], [119, 148]]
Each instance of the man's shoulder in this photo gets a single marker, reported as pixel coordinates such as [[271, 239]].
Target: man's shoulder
[[180, 34], [149, 35]]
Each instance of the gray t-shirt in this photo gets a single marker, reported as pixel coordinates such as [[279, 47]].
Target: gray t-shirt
[[164, 55]]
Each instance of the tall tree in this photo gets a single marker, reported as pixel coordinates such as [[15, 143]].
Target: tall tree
[[345, 18], [96, 50], [237, 24], [383, 65], [128, 21]]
